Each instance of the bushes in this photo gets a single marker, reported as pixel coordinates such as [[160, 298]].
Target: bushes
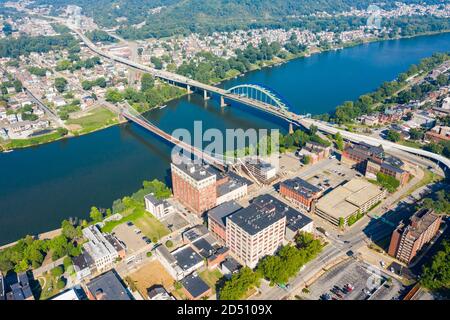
[[169, 244], [239, 284], [57, 271], [390, 183]]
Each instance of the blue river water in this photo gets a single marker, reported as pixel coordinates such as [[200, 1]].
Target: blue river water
[[41, 186]]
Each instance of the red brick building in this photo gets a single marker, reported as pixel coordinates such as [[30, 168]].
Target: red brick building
[[370, 160], [407, 240], [300, 192], [194, 185]]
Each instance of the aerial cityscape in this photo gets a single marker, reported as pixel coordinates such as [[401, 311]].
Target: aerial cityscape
[[229, 150]]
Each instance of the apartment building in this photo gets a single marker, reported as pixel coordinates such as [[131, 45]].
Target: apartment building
[[257, 230], [300, 192], [408, 239], [102, 249]]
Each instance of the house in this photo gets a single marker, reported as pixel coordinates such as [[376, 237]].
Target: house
[[180, 262], [17, 287], [229, 267], [81, 264], [107, 286], [195, 288], [158, 293]]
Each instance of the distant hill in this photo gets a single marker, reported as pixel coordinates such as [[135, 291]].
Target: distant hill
[[167, 17]]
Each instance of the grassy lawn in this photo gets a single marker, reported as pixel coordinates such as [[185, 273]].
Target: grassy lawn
[[148, 224], [428, 177], [48, 286], [97, 119], [410, 143], [22, 143], [211, 277]]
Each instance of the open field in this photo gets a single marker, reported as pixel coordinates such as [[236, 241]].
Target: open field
[[96, 119], [152, 273], [149, 225]]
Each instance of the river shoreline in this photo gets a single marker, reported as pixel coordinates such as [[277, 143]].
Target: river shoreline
[[265, 64], [63, 180]]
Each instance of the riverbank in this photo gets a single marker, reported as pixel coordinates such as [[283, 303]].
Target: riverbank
[[54, 136]]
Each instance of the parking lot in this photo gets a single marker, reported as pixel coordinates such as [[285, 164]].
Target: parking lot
[[366, 283], [174, 221], [332, 176], [132, 237]]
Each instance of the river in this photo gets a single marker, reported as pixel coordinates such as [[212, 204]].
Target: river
[[41, 186]]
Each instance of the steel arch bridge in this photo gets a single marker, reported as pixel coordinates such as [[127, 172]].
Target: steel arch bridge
[[259, 93]]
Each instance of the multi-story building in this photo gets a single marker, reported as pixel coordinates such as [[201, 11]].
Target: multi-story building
[[300, 192], [200, 187], [408, 239], [356, 196], [103, 249], [370, 160], [158, 208], [263, 171], [194, 185], [217, 219], [315, 151], [257, 230]]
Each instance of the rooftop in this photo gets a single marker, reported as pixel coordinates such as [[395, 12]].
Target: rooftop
[[302, 187], [295, 220], [264, 211], [108, 286], [345, 200], [222, 211], [196, 171], [420, 222], [195, 285], [186, 257]]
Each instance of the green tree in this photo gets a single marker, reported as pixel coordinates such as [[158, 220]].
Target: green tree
[[393, 136], [339, 141], [60, 284], [60, 84], [57, 271], [113, 95], [169, 244], [95, 215], [147, 82]]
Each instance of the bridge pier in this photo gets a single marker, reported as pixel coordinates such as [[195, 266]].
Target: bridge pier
[[188, 87], [291, 128], [205, 95], [222, 102]]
